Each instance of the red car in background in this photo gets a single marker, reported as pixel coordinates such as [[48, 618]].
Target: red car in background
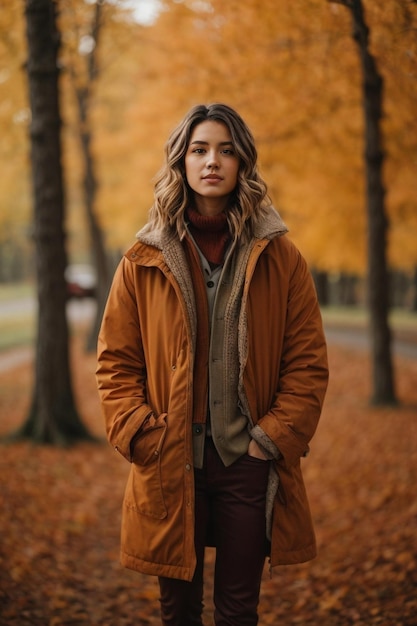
[[81, 281]]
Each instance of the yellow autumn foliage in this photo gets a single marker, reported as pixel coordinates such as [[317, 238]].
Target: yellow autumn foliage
[[291, 70]]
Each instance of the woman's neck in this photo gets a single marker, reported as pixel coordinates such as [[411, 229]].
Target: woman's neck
[[210, 206]]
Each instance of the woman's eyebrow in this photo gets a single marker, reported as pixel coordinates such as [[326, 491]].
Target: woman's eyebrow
[[205, 143]]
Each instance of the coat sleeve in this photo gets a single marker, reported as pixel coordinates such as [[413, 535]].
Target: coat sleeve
[[121, 369], [293, 417]]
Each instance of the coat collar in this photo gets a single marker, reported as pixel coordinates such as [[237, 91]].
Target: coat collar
[[268, 227]]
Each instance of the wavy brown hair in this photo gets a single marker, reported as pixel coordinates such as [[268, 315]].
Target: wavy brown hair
[[173, 195]]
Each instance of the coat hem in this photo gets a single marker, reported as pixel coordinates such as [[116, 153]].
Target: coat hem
[[156, 569], [293, 557]]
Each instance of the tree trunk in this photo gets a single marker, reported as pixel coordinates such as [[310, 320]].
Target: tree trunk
[[98, 250], [378, 279], [321, 281], [414, 291], [347, 290], [53, 417]]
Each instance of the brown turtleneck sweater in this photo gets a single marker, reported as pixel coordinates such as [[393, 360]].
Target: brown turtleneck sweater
[[211, 234]]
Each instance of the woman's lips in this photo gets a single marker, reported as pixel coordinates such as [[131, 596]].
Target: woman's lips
[[212, 178]]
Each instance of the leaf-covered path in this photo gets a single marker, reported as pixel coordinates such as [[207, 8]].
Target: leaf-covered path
[[60, 517]]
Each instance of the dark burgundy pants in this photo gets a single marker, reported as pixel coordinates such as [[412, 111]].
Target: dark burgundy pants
[[230, 507]]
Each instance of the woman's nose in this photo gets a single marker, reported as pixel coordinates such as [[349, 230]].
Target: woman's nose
[[212, 160]]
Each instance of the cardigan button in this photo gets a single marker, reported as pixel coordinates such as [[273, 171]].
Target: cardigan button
[[188, 467], [210, 284], [197, 429]]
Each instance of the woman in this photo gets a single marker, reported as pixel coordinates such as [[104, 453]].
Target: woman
[[212, 371]]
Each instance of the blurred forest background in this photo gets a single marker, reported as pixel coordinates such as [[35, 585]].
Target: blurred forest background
[[291, 69], [128, 70]]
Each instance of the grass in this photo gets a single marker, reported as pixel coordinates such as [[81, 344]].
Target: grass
[[11, 291], [16, 332], [357, 317], [17, 323]]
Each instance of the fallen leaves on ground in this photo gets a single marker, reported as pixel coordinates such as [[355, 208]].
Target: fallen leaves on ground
[[60, 516]]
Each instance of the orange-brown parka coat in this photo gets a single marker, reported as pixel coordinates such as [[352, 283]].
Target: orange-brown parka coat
[[145, 376]]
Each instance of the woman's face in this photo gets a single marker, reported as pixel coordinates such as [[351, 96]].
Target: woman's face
[[211, 166]]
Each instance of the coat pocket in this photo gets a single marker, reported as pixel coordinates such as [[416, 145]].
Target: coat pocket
[[148, 442], [145, 494]]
